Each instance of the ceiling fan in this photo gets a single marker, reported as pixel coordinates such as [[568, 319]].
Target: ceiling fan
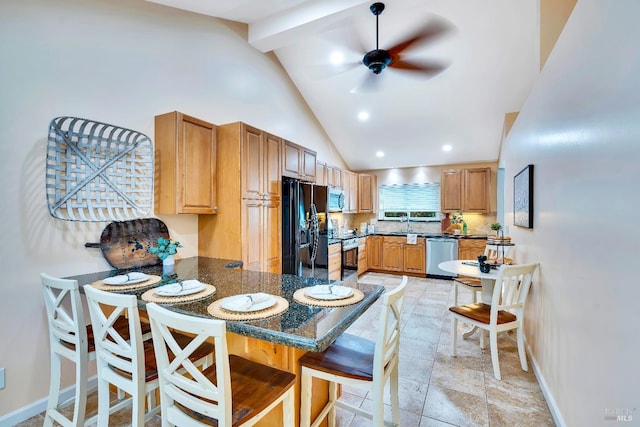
[[378, 59]]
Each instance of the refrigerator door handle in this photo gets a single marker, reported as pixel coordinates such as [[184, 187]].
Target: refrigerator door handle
[[315, 232]]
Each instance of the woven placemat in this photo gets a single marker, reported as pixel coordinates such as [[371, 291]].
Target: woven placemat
[[301, 297], [151, 296], [280, 306], [152, 280]]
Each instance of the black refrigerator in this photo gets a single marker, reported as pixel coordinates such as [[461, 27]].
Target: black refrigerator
[[304, 229]]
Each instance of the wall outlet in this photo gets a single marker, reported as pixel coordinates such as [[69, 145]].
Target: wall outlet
[[2, 383]]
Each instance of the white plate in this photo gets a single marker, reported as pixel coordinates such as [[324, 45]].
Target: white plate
[[174, 290], [240, 303], [122, 279], [329, 292]]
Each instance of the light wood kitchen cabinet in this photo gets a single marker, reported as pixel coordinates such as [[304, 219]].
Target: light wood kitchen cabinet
[[367, 193], [471, 248], [249, 221], [465, 190], [362, 256], [298, 162], [350, 188], [395, 255], [334, 176], [185, 162], [374, 252], [335, 261], [321, 173]]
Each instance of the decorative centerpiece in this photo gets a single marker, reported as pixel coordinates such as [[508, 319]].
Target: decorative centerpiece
[[456, 223], [166, 250], [496, 227]]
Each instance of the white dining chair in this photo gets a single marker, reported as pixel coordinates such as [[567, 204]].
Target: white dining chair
[[474, 284], [506, 311], [360, 363], [232, 392], [69, 338]]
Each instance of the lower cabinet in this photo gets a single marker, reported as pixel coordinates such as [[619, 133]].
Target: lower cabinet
[[362, 256], [335, 261], [471, 248], [393, 254]]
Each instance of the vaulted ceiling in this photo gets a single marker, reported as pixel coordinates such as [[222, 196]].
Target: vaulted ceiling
[[488, 51]]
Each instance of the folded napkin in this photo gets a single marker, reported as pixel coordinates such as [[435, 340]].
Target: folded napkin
[[412, 239], [125, 278], [245, 302], [188, 287], [329, 290]]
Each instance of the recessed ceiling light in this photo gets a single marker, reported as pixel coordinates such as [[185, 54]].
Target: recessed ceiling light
[[380, 153], [363, 115], [336, 58], [447, 147]]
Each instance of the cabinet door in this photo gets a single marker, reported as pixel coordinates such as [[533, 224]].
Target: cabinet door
[[185, 156], [353, 192], [335, 262], [365, 198], [291, 159], [477, 185], [253, 243], [374, 193], [414, 258], [272, 185], [392, 255], [362, 256], [308, 167], [337, 178], [346, 187], [451, 187], [374, 252], [272, 226], [252, 163], [321, 173], [471, 248]]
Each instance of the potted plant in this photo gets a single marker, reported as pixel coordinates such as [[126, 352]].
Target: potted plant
[[165, 250], [456, 223], [496, 227]]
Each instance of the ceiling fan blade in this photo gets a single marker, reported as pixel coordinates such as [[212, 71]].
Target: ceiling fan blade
[[427, 68], [371, 83], [431, 31]]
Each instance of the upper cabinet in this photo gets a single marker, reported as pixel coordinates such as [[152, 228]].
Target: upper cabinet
[[185, 162], [466, 190], [350, 188], [367, 193], [334, 176], [321, 173], [298, 162]]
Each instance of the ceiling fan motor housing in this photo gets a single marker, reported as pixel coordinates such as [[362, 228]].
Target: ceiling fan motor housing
[[377, 60]]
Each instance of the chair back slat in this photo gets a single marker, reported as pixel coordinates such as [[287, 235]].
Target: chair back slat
[[512, 287], [174, 385], [112, 349], [388, 340]]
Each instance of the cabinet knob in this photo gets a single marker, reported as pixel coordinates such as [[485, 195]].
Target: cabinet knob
[[215, 208]]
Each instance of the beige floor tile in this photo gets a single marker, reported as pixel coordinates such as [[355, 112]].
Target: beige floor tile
[[455, 407]]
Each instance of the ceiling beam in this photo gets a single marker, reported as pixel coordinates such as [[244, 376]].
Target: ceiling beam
[[282, 28]]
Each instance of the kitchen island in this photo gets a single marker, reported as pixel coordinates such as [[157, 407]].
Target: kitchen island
[[277, 341]]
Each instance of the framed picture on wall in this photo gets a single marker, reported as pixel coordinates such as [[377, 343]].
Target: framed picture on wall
[[523, 198]]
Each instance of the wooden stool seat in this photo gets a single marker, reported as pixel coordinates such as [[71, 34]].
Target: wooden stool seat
[[349, 356], [253, 387], [481, 312]]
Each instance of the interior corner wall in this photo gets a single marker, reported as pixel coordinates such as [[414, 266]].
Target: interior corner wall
[[579, 128], [120, 62]]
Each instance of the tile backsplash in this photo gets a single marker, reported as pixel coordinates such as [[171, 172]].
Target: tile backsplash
[[477, 224]]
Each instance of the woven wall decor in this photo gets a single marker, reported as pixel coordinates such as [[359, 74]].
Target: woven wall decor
[[98, 172]]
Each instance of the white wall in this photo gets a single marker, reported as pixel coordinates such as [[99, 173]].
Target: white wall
[[580, 128], [121, 62]]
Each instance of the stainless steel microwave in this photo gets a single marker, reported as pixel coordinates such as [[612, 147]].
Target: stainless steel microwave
[[336, 200]]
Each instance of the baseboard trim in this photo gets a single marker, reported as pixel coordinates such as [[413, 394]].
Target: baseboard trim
[[553, 407], [39, 406]]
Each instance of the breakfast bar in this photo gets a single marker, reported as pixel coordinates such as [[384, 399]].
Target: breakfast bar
[[278, 340]]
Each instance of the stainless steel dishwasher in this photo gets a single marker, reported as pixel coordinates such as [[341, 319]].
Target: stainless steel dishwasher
[[440, 249]]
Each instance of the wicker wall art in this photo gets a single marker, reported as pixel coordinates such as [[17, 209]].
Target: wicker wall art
[[98, 172]]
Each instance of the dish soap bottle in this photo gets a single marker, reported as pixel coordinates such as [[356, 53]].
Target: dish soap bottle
[[464, 228]]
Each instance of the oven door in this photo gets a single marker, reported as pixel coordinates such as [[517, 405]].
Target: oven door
[[350, 265]]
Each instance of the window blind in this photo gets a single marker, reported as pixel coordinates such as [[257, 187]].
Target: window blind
[[410, 197]]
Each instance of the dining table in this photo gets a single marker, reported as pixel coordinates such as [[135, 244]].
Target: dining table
[[278, 340]]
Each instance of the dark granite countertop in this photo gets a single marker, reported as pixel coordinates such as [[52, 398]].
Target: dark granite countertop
[[301, 326]]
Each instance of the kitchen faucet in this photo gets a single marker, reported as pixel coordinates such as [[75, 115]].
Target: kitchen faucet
[[406, 218]]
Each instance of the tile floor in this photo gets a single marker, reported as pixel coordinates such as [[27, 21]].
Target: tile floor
[[436, 390]]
